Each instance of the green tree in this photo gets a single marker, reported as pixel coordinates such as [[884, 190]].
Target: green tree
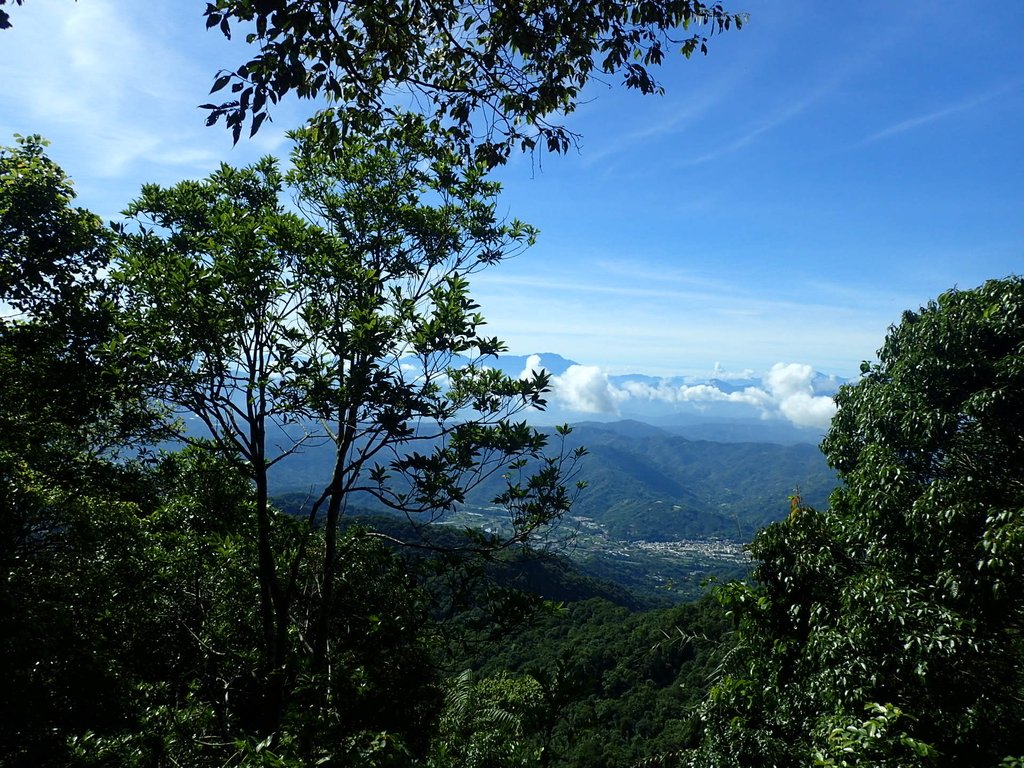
[[166, 614], [906, 595], [61, 392], [353, 325], [611, 687], [72, 596], [68, 524], [395, 365], [492, 75], [486, 723], [50, 250], [208, 300]]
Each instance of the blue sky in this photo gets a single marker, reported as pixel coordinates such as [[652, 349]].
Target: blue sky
[[825, 168]]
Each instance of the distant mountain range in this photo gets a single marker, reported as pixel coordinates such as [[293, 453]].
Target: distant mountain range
[[646, 482], [669, 458], [787, 404], [652, 483]]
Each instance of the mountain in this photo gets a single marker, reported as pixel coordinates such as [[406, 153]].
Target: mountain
[[644, 482], [715, 430], [704, 457], [648, 483], [790, 403]]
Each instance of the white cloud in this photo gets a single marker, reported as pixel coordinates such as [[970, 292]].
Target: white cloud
[[939, 114], [586, 388], [707, 393], [789, 391], [697, 393], [532, 366], [792, 389], [659, 325], [805, 410], [115, 86], [582, 388], [785, 380], [94, 81]]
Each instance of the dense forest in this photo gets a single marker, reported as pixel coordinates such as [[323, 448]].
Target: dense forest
[[160, 609]]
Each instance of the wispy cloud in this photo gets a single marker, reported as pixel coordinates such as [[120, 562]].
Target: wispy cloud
[[671, 123], [795, 101], [115, 87], [96, 80], [759, 127], [964, 105], [716, 297], [651, 324]]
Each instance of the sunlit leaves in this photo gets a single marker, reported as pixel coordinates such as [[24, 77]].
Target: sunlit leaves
[[876, 741], [50, 251]]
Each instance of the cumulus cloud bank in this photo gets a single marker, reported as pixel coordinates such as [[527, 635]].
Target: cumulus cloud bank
[[668, 392], [583, 388], [792, 388], [789, 390]]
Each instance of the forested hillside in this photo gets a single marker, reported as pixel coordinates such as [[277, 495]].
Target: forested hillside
[[659, 486], [885, 629]]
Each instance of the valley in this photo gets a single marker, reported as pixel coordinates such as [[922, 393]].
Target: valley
[[661, 515]]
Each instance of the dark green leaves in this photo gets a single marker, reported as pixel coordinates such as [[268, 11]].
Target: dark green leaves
[[61, 391], [219, 83], [491, 76], [905, 597], [5, 18], [50, 251]]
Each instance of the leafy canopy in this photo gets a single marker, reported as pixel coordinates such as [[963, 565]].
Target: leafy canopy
[[905, 598], [59, 395], [490, 74], [50, 250]]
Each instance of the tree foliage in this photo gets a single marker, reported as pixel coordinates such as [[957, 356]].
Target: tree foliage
[[490, 75], [344, 318], [164, 611], [485, 722], [60, 395], [608, 687], [905, 596], [5, 18], [50, 250]]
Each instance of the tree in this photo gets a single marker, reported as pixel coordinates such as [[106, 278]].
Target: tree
[[486, 723], [50, 251], [208, 300], [906, 596], [68, 522], [352, 324], [395, 356], [57, 383], [127, 580], [489, 75]]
